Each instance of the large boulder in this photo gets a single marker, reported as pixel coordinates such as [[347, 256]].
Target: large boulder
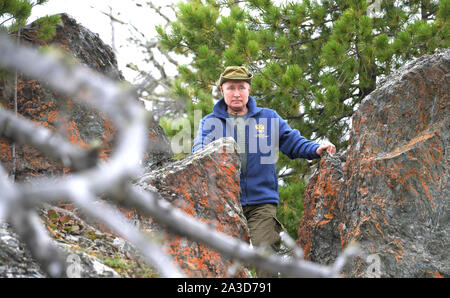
[[390, 191], [78, 122], [205, 185]]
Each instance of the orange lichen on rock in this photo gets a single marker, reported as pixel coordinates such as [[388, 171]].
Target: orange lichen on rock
[[208, 186], [392, 191]]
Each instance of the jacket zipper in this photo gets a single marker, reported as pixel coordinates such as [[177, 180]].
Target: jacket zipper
[[246, 152], [244, 176]]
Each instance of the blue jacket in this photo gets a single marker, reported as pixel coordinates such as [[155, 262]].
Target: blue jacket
[[266, 134]]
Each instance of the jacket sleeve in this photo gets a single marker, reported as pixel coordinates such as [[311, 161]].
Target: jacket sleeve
[[208, 131], [292, 144], [199, 141]]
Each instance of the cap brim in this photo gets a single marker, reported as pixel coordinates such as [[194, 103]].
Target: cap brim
[[226, 79]]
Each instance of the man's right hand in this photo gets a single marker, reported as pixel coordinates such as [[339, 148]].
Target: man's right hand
[[330, 148]]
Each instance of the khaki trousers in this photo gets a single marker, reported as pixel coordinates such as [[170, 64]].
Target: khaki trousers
[[264, 228]]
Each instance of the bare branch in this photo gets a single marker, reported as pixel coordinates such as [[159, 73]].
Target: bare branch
[[27, 225], [158, 11], [180, 223], [23, 131], [350, 252], [152, 252]]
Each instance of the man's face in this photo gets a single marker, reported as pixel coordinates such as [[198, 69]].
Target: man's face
[[236, 94]]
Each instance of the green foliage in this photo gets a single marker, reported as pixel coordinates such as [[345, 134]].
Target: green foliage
[[313, 61], [128, 268], [290, 208], [46, 26], [18, 11]]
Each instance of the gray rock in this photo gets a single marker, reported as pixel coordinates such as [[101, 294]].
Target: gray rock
[[15, 259], [206, 186], [392, 194]]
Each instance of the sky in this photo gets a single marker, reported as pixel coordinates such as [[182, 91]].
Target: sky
[[90, 14]]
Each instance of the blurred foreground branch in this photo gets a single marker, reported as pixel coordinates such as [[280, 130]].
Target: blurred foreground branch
[[113, 178]]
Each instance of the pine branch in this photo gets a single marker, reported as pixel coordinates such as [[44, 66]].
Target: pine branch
[[8, 19]]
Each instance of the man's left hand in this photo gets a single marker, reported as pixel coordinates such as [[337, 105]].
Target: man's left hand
[[330, 148]]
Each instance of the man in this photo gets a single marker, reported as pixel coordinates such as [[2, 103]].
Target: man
[[260, 133]]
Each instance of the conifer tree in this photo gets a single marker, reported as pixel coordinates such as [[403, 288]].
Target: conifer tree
[[14, 10], [15, 13], [313, 61]]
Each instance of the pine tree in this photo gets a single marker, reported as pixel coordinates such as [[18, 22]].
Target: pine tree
[[16, 13], [313, 61], [14, 10]]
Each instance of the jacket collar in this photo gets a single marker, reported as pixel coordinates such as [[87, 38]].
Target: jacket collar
[[220, 108]]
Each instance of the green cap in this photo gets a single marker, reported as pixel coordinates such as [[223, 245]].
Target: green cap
[[235, 73]]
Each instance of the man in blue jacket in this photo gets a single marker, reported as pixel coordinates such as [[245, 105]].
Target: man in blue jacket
[[260, 133]]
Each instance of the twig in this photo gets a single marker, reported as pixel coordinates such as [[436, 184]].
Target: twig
[[152, 252], [26, 224], [15, 112], [23, 131], [180, 223]]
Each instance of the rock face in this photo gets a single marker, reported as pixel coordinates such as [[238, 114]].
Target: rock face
[[77, 122], [15, 260], [205, 185], [390, 192]]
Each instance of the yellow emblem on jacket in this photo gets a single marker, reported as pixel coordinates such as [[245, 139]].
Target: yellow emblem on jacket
[[259, 128], [260, 131]]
